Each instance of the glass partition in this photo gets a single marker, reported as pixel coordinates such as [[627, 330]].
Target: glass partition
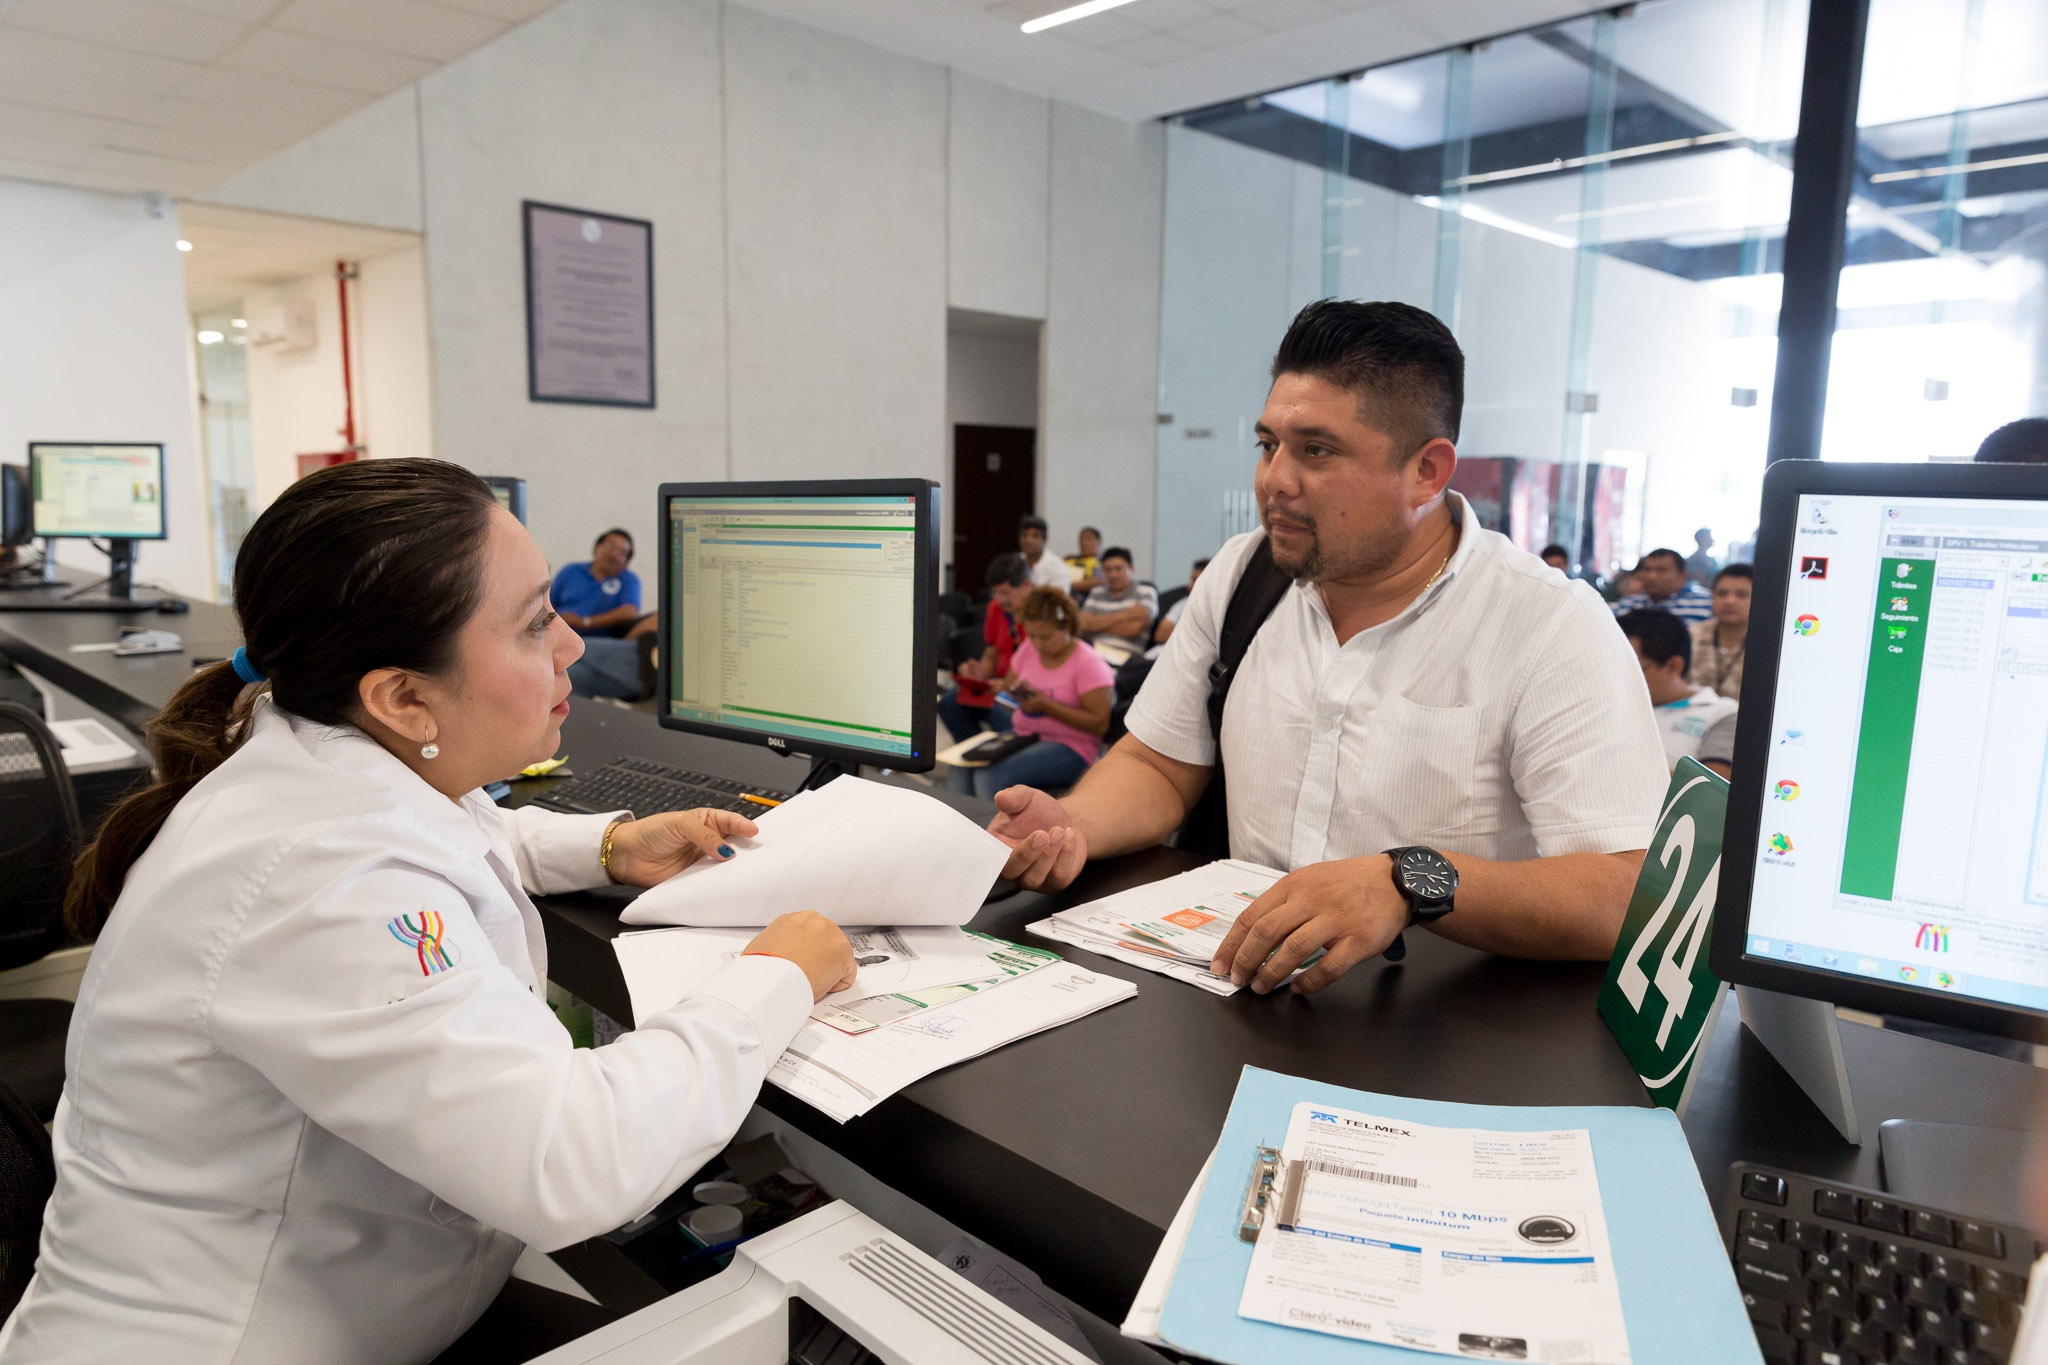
[[1594, 207]]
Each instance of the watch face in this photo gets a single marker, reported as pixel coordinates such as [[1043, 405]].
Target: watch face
[[1428, 876]]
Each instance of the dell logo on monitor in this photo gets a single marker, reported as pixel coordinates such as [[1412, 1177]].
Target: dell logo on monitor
[[778, 744]]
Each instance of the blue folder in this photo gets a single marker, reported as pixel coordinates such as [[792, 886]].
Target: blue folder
[[1678, 1294]]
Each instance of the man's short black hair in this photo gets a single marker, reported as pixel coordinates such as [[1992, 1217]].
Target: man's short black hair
[[1677, 559], [1115, 552], [2021, 442], [1742, 571], [1007, 571], [1553, 548], [1090, 531], [622, 533], [1661, 635], [1404, 365], [1031, 521], [1201, 564]]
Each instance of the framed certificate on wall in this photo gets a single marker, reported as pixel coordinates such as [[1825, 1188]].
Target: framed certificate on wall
[[589, 307]]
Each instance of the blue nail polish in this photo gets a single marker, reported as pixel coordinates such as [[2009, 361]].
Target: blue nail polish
[[725, 850]]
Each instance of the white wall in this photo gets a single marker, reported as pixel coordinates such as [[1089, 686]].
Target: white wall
[[364, 169], [991, 381], [394, 384], [817, 205], [95, 345]]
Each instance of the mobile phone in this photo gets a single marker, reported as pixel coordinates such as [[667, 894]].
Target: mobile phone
[[1005, 699]]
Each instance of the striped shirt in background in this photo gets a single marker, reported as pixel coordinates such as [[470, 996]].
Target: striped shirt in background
[[1501, 715], [1690, 603]]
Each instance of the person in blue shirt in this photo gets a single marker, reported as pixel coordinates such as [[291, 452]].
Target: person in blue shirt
[[600, 600]]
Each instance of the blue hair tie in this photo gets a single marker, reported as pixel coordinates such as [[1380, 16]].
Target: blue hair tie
[[245, 670]]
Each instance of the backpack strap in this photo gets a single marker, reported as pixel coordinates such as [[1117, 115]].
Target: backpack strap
[[1259, 590]]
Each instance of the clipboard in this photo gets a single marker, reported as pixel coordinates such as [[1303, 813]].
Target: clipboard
[[1678, 1293]]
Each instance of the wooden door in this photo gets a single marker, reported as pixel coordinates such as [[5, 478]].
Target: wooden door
[[995, 481]]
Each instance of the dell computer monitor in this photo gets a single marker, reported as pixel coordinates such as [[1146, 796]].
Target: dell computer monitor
[[1887, 834], [798, 615], [510, 493], [16, 527], [104, 490]]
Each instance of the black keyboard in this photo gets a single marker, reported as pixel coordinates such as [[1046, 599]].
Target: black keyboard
[[1837, 1275], [649, 788]]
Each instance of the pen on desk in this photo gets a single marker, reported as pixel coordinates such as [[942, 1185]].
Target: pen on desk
[[759, 800]]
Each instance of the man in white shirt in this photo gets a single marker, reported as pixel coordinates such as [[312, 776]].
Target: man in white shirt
[[1122, 609], [1047, 570], [1694, 722], [1422, 682]]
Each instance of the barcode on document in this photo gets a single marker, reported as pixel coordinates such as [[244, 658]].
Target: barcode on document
[[1360, 1173]]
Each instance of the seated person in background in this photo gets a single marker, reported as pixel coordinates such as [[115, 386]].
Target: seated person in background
[[1663, 586], [1047, 570], [1557, 557], [1420, 682], [1692, 721], [1719, 642], [1085, 562], [1062, 687], [1162, 632], [971, 705], [2021, 442], [600, 600], [1121, 611]]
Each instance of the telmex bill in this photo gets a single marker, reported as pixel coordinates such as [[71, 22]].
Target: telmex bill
[[1471, 1243]]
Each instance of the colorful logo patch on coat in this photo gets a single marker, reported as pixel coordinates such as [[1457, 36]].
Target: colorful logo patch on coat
[[423, 933]]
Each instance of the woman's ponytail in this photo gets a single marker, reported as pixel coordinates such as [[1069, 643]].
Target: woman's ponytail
[[189, 738]]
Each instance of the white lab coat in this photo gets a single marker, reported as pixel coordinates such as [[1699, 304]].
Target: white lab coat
[[297, 1128]]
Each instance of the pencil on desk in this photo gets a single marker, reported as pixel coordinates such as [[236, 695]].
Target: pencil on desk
[[759, 800]]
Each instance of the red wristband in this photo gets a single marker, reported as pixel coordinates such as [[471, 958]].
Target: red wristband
[[778, 956]]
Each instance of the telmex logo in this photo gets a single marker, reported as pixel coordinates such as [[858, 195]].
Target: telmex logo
[[1318, 1116]]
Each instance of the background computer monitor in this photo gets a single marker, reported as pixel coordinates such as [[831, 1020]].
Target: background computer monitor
[[105, 490], [1886, 843], [798, 615], [510, 493], [16, 526]]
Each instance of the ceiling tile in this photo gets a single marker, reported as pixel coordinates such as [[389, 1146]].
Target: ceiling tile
[[511, 11], [129, 25], [413, 27], [46, 173], [324, 62], [249, 11], [1100, 30], [1165, 14], [259, 96], [1155, 49], [1218, 30], [1282, 14], [226, 117]]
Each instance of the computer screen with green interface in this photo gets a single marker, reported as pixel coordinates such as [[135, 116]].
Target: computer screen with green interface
[[796, 617], [111, 491], [1905, 829]]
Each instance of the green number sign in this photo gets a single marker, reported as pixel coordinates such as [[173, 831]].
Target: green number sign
[[1661, 997]]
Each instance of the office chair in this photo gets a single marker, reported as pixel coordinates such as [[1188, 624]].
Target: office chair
[[39, 837], [28, 1173], [957, 605]]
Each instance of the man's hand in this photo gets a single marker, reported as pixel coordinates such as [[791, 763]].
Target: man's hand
[[973, 671], [1350, 908], [1047, 850]]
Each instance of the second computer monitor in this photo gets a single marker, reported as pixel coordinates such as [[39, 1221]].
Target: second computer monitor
[[510, 493], [798, 615], [15, 527], [105, 491]]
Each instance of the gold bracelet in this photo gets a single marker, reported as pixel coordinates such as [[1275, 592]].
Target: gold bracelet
[[604, 850]]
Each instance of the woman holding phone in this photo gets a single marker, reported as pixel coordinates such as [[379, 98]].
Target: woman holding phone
[[1063, 689], [315, 1102]]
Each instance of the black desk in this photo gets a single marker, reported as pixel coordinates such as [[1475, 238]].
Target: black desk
[[1072, 1149], [131, 690]]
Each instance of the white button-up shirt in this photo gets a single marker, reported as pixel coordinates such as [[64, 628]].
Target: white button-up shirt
[[1502, 714], [314, 1102]]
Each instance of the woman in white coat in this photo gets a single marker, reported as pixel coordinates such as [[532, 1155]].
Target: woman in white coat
[[314, 1101]]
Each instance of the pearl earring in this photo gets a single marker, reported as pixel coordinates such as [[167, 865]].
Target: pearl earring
[[430, 750]]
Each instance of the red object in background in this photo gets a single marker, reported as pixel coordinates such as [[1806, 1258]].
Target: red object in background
[[309, 463]]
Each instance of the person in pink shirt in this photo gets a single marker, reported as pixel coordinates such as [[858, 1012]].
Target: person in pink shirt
[[1063, 689]]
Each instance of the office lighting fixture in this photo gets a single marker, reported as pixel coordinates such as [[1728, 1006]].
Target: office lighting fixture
[[1070, 14], [184, 245]]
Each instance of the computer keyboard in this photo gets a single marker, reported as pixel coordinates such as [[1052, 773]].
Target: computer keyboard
[[649, 788], [1838, 1275]]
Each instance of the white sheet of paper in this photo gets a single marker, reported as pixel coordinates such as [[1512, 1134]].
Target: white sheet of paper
[[1461, 1241], [87, 741], [844, 1075], [661, 966], [1142, 1322], [855, 851], [1061, 932], [1183, 918]]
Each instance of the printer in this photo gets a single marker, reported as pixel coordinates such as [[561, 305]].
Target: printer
[[833, 1287]]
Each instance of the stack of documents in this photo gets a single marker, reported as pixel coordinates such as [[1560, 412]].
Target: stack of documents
[[925, 998], [855, 851], [1172, 927], [1334, 1225]]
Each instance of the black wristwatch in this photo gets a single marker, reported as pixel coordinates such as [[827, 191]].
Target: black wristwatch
[[1428, 882]]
